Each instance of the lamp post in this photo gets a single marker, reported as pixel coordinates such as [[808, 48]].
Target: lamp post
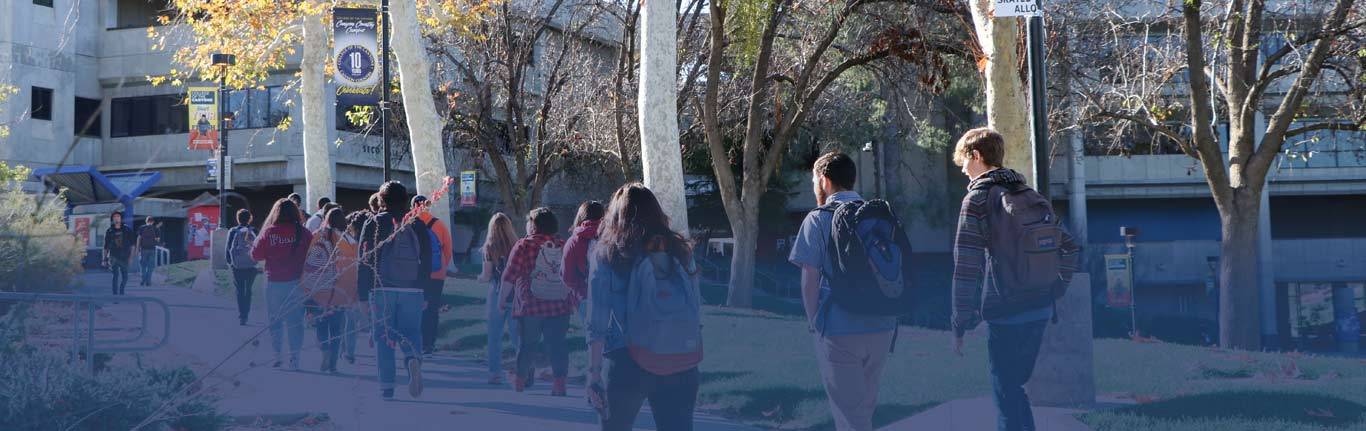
[[1129, 234], [384, 92], [223, 61], [872, 148]]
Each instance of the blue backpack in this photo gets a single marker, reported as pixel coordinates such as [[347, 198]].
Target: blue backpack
[[871, 259], [435, 246], [663, 316]]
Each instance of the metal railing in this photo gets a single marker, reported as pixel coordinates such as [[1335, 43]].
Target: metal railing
[[93, 345], [163, 256]]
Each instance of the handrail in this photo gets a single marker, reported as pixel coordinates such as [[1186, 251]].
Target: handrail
[[92, 345], [163, 256]]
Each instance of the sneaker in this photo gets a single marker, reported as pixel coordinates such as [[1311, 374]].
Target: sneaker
[[387, 394], [518, 384], [294, 364], [277, 364], [351, 359], [496, 379], [415, 377], [558, 389]]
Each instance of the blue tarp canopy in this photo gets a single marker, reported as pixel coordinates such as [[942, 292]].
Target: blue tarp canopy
[[86, 185]]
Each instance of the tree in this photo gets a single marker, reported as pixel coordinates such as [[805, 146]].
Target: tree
[[785, 55], [6, 91], [1008, 107], [524, 92], [1169, 72]]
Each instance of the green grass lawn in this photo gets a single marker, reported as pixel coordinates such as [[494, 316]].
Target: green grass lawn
[[760, 369]]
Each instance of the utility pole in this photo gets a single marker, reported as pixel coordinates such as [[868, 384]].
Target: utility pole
[[384, 92], [1038, 101], [223, 61]]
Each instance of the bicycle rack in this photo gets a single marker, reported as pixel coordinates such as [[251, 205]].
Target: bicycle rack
[[89, 302]]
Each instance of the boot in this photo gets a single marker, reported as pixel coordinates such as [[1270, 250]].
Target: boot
[[558, 388], [518, 384]]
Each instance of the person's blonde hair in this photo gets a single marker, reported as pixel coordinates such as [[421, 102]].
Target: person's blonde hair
[[501, 237]]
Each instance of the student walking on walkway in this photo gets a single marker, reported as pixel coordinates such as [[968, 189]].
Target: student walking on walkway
[[283, 246], [348, 256], [576, 251], [240, 241], [497, 247], [396, 258], [543, 304], [851, 347], [118, 251], [149, 238], [1012, 260], [435, 283], [329, 295], [644, 326]]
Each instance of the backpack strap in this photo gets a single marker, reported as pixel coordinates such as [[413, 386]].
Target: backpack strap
[[232, 241]]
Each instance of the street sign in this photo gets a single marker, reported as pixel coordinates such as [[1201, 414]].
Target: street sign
[[212, 169], [1007, 8], [468, 191], [1119, 285]]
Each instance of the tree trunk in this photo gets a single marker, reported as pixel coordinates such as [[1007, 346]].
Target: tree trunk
[[742, 261], [319, 169], [424, 125], [661, 158], [1239, 299], [1007, 102]]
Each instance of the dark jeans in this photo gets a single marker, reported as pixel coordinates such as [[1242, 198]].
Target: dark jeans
[[329, 329], [431, 314], [243, 279], [120, 271], [553, 329], [672, 398], [148, 262], [1011, 351]]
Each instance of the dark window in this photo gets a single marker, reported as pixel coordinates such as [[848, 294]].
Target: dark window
[[87, 120], [41, 106], [142, 13], [149, 115], [256, 108], [47, 3]]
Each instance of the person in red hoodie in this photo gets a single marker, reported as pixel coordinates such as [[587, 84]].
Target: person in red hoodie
[[283, 246], [575, 266]]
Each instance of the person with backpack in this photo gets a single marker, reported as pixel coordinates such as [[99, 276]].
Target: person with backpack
[[348, 254], [118, 251], [395, 260], [497, 247], [543, 302], [329, 295], [645, 316], [315, 221], [283, 246], [149, 238], [434, 285], [240, 241], [576, 251], [854, 260], [1012, 260]]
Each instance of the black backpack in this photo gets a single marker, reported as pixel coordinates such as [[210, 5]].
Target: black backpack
[[870, 258]]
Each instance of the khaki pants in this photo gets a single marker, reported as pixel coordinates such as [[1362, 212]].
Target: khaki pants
[[850, 368]]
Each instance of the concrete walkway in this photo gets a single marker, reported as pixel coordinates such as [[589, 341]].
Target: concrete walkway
[[979, 414], [205, 335]]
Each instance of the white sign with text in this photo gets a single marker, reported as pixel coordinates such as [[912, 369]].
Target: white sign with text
[[1008, 8]]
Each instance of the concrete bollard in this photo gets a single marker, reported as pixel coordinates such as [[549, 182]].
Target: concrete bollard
[[1064, 375], [218, 249]]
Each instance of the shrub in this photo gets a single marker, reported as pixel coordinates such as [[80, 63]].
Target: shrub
[[40, 390], [37, 251]]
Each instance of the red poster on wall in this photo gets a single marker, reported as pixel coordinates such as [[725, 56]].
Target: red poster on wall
[[201, 221], [81, 227]]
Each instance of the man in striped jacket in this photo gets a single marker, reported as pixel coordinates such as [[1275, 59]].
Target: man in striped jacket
[[1015, 326]]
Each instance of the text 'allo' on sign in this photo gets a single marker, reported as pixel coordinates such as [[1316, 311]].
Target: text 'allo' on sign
[[1009, 8]]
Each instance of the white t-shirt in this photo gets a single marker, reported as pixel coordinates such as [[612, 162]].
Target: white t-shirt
[[314, 223]]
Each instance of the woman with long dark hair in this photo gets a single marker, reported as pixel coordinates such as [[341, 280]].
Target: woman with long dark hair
[[497, 247], [575, 266], [322, 282], [283, 246], [644, 322]]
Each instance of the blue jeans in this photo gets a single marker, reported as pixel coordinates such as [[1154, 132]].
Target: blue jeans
[[120, 271], [328, 328], [1011, 351], [350, 326], [397, 317], [498, 320], [148, 260], [285, 309]]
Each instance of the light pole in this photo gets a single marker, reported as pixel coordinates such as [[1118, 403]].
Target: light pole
[[384, 91], [871, 148], [223, 61], [1129, 233]]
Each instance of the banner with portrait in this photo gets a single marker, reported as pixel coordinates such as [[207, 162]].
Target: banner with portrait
[[203, 109]]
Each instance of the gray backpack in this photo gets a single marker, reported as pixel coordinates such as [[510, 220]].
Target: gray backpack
[[663, 316], [400, 259], [1024, 240], [240, 241]]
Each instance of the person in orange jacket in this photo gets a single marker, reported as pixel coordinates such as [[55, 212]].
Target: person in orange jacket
[[432, 290]]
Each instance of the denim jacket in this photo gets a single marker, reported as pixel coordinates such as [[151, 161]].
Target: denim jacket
[[607, 289]]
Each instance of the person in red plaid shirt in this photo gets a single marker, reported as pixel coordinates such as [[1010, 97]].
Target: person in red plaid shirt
[[543, 302]]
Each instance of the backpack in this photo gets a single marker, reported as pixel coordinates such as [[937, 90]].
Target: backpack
[[148, 237], [1024, 241], [546, 281], [400, 259], [663, 316], [870, 258], [239, 248], [435, 246]]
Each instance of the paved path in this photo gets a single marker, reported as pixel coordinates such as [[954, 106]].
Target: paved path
[[205, 331], [979, 414]]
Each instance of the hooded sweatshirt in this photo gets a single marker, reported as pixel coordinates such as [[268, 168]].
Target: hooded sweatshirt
[[575, 266], [975, 295], [283, 248]]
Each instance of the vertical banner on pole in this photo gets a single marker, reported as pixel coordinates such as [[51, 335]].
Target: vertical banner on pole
[[354, 48], [468, 190], [1118, 281], [203, 111]]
